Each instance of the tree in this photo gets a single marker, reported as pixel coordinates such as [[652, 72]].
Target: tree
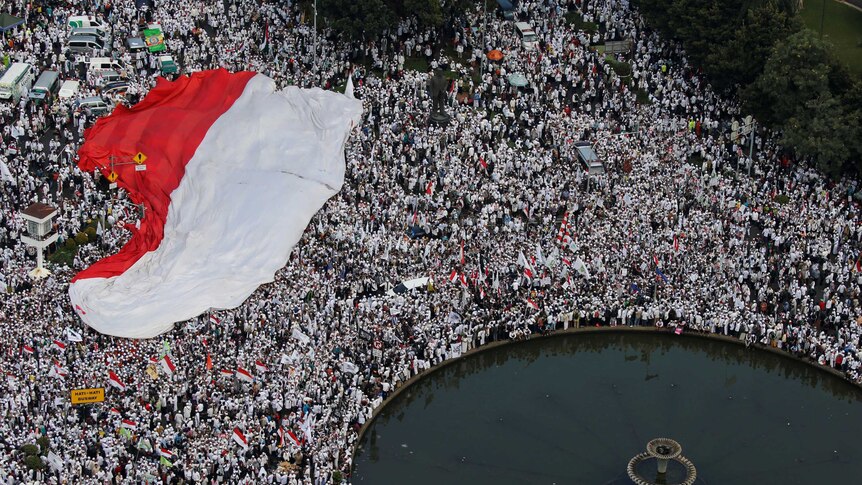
[[740, 60], [801, 91], [366, 19], [428, 12]]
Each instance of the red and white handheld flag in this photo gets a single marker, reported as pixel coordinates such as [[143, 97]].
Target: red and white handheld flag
[[244, 375], [129, 424], [226, 373], [165, 453], [239, 438], [168, 364], [532, 304], [260, 366], [27, 349], [114, 380], [59, 346]]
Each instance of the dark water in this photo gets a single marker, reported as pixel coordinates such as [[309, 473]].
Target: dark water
[[575, 409]]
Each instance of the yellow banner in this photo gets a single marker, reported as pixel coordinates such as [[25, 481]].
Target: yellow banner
[[88, 396]]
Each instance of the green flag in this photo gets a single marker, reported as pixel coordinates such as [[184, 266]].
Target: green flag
[[144, 444], [154, 39], [125, 433], [166, 348], [164, 461]]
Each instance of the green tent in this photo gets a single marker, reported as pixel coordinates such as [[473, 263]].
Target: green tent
[[9, 22]]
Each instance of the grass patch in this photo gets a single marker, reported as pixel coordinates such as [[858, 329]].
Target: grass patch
[[643, 97], [416, 64], [575, 20], [622, 69], [842, 25], [63, 255]]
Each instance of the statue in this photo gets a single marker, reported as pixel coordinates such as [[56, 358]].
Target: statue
[[437, 87]]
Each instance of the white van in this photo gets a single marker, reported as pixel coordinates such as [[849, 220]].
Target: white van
[[16, 81], [85, 44], [45, 87], [106, 64], [528, 36], [69, 89], [78, 21], [98, 33]]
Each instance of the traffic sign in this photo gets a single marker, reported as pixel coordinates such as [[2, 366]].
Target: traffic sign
[[112, 177], [139, 158]]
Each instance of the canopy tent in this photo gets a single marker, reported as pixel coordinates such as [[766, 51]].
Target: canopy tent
[[9, 22], [518, 80]]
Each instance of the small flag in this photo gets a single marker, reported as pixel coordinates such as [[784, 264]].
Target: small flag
[[115, 411], [215, 320], [164, 461], [280, 437], [661, 274], [532, 304], [294, 438], [483, 163], [129, 424], [655, 259], [165, 453], [59, 346], [462, 252], [453, 276], [73, 336], [125, 433], [114, 380], [168, 365], [240, 438], [226, 373], [675, 243], [27, 349], [244, 375], [678, 331], [635, 288], [429, 189], [144, 444], [209, 364], [57, 371], [260, 366]]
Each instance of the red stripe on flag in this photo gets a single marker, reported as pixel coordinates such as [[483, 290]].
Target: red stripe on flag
[[179, 115]]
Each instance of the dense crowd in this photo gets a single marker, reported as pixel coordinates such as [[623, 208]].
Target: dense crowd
[[683, 231]]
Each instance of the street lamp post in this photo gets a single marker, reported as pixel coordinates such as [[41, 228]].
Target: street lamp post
[[315, 33], [484, 35]]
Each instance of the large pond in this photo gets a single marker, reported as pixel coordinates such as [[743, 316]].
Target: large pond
[[574, 409]]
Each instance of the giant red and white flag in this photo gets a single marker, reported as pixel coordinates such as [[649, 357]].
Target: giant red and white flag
[[233, 172]]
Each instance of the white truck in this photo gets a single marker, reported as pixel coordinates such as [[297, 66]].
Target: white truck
[[16, 81]]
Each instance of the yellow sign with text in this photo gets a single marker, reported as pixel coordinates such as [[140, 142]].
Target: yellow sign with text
[[88, 396]]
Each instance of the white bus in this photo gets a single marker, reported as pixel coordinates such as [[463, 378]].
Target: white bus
[[16, 81]]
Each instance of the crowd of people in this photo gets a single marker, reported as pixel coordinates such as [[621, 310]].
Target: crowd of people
[[684, 230]]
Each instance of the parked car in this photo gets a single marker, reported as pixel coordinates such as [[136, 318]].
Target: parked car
[[167, 65], [115, 88], [93, 105]]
